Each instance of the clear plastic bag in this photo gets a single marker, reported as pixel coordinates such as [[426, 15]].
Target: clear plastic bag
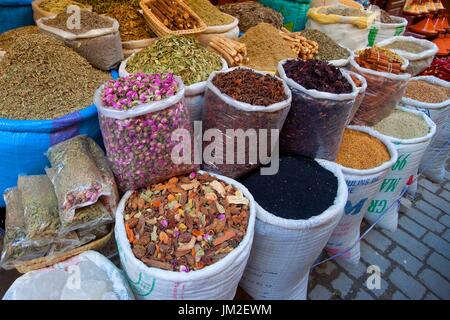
[[69, 242], [316, 122], [16, 247], [87, 217], [384, 92], [139, 141], [360, 96], [77, 179], [40, 208], [97, 232], [222, 112]]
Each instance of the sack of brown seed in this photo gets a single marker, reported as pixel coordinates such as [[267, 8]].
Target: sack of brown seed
[[94, 37], [242, 103], [186, 238]]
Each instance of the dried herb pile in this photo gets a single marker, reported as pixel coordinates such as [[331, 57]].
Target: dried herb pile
[[186, 223], [42, 94], [385, 17], [380, 59], [265, 47], [406, 46], [426, 92], [318, 75], [88, 21], [251, 13], [328, 49], [250, 87], [103, 6], [403, 125], [344, 11], [58, 6], [183, 56], [8, 38], [132, 23], [209, 13]]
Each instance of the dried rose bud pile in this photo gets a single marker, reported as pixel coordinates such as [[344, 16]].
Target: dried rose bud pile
[[139, 147], [186, 223], [129, 92]]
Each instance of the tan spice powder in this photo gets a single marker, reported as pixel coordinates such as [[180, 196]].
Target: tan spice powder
[[361, 151], [402, 125], [265, 47], [426, 92]]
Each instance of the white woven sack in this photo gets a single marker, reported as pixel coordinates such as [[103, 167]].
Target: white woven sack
[[433, 162], [115, 275], [284, 249], [344, 34], [417, 61], [194, 93], [217, 281], [399, 177], [362, 187], [380, 31]]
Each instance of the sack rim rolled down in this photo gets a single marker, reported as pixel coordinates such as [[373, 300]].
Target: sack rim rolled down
[[201, 274], [428, 136], [402, 23], [319, 94], [426, 105], [142, 109], [243, 106], [50, 125], [222, 28], [361, 78], [190, 90], [358, 22], [385, 165], [339, 63], [433, 49], [315, 221]]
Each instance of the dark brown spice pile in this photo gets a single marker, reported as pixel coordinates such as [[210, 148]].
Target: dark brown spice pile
[[318, 75], [186, 223], [89, 21], [250, 87]]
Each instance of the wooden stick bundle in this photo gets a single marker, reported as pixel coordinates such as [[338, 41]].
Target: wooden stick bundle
[[234, 52], [172, 15], [306, 49]]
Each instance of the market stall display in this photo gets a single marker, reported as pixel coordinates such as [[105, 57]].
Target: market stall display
[[361, 85], [48, 8], [431, 96], [240, 99], [233, 51], [297, 210], [386, 26], [15, 14], [338, 22], [294, 12], [386, 83], [97, 39], [439, 68], [266, 47], [137, 113], [419, 52], [400, 123], [100, 280], [230, 236], [8, 38], [365, 157], [251, 13], [322, 99], [305, 49]]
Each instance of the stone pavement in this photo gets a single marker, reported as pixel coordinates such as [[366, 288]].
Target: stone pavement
[[414, 260]]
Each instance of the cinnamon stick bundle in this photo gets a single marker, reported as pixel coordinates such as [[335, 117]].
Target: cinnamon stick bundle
[[234, 52]]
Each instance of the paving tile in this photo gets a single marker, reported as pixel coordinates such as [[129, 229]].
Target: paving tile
[[397, 295], [440, 264], [372, 257], [355, 270], [445, 194], [326, 268], [437, 284], [433, 187], [379, 241], [320, 293], [428, 209], [412, 227], [406, 260], [343, 284], [436, 201], [446, 235], [430, 296], [426, 221], [438, 244], [445, 219], [409, 243], [407, 284], [363, 295]]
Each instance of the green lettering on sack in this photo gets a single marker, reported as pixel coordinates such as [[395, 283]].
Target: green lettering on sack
[[389, 185], [372, 36], [377, 206], [401, 162], [354, 210]]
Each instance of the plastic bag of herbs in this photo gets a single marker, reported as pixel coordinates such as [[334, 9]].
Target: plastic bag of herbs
[[84, 185], [95, 38], [138, 115], [16, 247], [255, 103], [322, 99]]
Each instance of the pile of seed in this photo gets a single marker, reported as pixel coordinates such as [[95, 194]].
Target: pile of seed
[[406, 46], [41, 78], [427, 92], [209, 13], [328, 49], [361, 151], [265, 47], [343, 11], [58, 6], [402, 125], [9, 37], [88, 21]]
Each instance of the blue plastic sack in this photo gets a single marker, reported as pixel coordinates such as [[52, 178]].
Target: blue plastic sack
[[15, 14], [23, 143]]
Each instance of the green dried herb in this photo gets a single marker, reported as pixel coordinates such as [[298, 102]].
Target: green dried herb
[[88, 21], [103, 6], [183, 56], [88, 217], [209, 13], [58, 81], [328, 49], [58, 6]]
